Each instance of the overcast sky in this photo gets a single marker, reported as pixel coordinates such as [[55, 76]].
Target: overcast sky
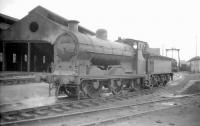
[[161, 23]]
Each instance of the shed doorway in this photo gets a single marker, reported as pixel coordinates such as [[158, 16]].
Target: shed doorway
[[41, 57], [26, 56], [16, 56]]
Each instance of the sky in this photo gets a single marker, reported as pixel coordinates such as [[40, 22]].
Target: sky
[[163, 24]]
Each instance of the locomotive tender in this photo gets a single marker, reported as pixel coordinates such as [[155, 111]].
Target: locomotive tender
[[87, 65]]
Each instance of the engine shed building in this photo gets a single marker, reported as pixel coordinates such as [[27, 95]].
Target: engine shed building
[[195, 64], [27, 44], [6, 21]]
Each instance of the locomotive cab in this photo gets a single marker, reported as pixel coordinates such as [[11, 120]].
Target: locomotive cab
[[139, 62]]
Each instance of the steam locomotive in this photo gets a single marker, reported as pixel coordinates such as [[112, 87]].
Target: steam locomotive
[[87, 66]]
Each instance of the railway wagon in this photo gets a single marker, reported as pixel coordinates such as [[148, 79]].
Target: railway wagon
[[87, 65]]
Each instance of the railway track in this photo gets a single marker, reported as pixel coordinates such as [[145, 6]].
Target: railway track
[[132, 111], [75, 108], [19, 105], [11, 116]]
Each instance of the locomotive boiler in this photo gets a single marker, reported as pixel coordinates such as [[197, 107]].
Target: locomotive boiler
[[89, 65]]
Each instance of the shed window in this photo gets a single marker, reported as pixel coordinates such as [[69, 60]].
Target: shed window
[[44, 59], [1, 57], [25, 58], [14, 58]]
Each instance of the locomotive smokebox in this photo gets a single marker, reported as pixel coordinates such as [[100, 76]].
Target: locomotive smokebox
[[73, 25], [101, 34]]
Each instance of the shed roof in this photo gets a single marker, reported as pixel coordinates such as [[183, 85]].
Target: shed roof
[[58, 19], [194, 58], [6, 21]]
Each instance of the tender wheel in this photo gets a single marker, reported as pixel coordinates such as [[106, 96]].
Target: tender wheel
[[91, 89], [161, 81], [155, 81], [116, 87], [148, 84], [168, 78]]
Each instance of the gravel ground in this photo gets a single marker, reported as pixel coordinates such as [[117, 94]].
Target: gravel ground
[[187, 115], [16, 93], [181, 81]]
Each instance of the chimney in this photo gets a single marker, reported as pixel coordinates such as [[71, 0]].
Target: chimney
[[101, 34], [73, 25]]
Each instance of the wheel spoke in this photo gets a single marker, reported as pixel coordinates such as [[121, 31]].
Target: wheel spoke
[[90, 91], [115, 87]]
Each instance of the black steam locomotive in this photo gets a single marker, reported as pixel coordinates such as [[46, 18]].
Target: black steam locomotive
[[87, 66]]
